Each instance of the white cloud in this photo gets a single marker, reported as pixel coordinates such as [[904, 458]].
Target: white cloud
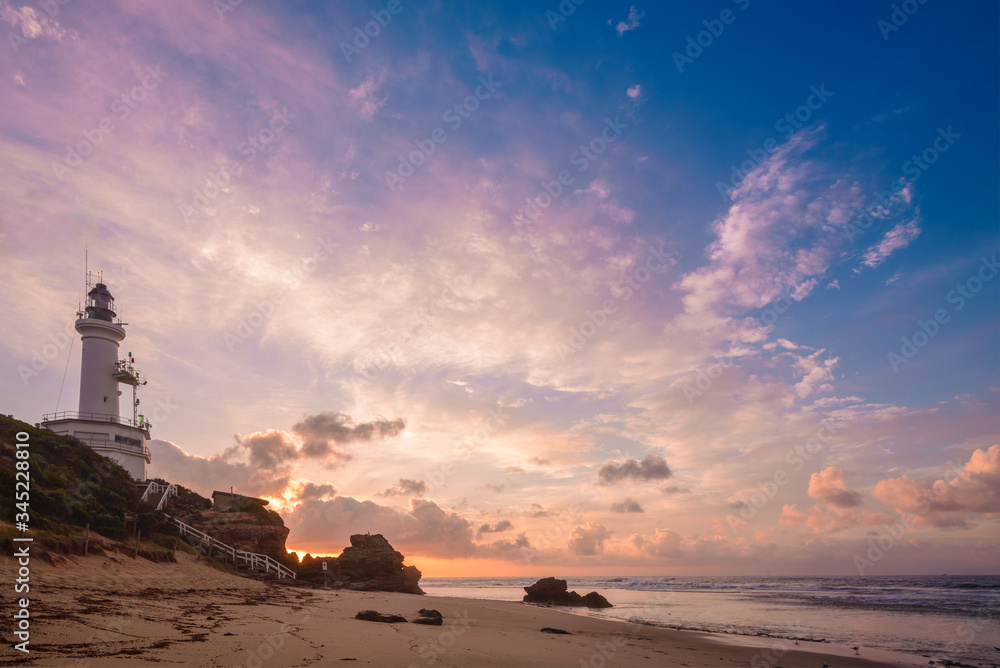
[[34, 24], [632, 22], [780, 235], [634, 91]]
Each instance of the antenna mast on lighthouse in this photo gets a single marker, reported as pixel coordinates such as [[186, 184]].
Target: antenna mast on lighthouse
[[98, 423]]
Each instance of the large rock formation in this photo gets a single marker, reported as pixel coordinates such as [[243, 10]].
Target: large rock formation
[[371, 564], [253, 530], [554, 592]]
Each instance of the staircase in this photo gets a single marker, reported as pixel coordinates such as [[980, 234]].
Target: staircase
[[153, 488], [250, 560]]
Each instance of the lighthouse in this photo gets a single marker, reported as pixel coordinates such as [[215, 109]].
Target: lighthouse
[[98, 422]]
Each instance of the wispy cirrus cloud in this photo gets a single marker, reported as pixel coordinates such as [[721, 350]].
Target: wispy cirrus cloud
[[898, 238]]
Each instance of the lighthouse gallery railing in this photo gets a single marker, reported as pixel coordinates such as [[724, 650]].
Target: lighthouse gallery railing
[[96, 417]]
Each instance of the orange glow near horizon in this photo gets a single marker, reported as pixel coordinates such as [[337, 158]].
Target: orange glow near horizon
[[438, 567], [302, 553]]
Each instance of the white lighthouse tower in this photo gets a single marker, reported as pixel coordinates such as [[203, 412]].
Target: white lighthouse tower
[[98, 423]]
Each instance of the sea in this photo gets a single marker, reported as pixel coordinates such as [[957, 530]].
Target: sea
[[949, 619]]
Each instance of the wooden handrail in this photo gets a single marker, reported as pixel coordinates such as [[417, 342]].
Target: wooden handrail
[[251, 559]]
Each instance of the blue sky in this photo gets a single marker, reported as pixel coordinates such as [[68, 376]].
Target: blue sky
[[293, 304]]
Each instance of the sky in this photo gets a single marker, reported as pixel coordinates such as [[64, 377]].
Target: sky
[[531, 288]]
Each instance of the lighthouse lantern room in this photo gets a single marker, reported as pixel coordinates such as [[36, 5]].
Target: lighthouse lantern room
[[99, 423]]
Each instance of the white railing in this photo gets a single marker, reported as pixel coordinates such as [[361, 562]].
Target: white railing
[[251, 559], [155, 488], [170, 490], [94, 417]]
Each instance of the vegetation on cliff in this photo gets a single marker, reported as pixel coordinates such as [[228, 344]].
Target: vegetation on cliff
[[71, 485]]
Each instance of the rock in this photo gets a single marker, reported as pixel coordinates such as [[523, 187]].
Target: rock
[[375, 616], [370, 564], [551, 590], [595, 600], [429, 621], [429, 617], [549, 629], [253, 530], [554, 592]]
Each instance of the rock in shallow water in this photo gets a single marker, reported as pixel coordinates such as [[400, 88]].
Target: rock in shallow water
[[554, 592], [595, 600]]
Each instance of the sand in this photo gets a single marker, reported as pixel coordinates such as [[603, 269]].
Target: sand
[[119, 611]]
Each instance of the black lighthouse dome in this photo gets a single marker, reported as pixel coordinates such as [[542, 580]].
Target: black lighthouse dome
[[100, 303]]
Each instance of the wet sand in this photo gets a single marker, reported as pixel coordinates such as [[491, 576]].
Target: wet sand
[[116, 610]]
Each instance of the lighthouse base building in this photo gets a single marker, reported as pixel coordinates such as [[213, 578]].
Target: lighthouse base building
[[121, 441], [98, 423]]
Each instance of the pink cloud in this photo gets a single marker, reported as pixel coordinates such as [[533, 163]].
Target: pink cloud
[[899, 237], [365, 96], [828, 486], [588, 540], [974, 489], [781, 232], [664, 543]]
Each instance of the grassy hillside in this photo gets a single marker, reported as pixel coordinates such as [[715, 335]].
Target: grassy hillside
[[71, 485]]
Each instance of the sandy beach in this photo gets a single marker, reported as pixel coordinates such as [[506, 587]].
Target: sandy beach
[[115, 610]]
